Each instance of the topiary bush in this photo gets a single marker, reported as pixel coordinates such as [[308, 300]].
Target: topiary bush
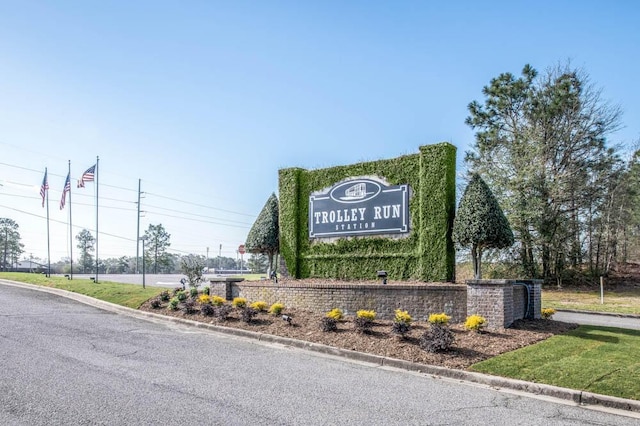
[[475, 323], [438, 338], [207, 291], [181, 295], [276, 308]]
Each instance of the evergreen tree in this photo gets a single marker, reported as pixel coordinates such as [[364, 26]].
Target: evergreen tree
[[264, 234], [480, 222]]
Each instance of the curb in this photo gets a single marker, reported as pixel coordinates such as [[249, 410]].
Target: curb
[[578, 397]]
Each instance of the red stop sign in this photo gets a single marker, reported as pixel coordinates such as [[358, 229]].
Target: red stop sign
[[241, 249]]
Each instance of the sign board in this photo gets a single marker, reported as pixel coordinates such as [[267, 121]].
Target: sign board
[[241, 249], [359, 206]]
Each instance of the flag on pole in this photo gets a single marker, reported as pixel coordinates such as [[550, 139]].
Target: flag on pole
[[44, 187], [67, 188], [87, 176]]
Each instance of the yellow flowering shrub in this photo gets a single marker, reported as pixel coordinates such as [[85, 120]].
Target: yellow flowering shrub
[[440, 319], [402, 316], [475, 323], [369, 315], [547, 313], [259, 306], [203, 298], [217, 300], [335, 313], [276, 308], [239, 302]]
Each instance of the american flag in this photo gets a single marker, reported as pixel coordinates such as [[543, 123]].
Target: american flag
[[44, 187], [67, 188], [87, 176]]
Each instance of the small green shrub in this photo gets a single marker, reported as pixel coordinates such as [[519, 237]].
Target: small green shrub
[[276, 308], [181, 295], [156, 303], [164, 296], [328, 324], [193, 292], [259, 306], [438, 338], [207, 310], [217, 300], [173, 303], [441, 319], [475, 323], [248, 314], [547, 313], [239, 302], [207, 291], [335, 313]]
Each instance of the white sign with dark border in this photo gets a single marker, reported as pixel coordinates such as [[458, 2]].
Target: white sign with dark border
[[359, 206]]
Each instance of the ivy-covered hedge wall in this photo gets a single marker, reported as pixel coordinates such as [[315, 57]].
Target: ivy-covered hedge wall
[[427, 254]]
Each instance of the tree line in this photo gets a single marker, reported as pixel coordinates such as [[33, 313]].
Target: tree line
[[570, 195], [157, 258]]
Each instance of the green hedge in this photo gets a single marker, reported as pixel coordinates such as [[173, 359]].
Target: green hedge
[[427, 254]]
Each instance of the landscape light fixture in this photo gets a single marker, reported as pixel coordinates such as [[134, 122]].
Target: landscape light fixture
[[383, 275]]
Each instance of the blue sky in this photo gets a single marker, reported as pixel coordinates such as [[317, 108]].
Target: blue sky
[[204, 101]]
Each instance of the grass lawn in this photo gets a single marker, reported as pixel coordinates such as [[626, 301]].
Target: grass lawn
[[130, 295], [622, 302]]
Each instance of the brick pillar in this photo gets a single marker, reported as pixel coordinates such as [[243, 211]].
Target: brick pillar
[[491, 299]]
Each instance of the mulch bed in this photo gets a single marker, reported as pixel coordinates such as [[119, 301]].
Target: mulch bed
[[468, 347]]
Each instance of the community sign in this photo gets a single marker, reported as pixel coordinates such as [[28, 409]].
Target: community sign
[[359, 206]]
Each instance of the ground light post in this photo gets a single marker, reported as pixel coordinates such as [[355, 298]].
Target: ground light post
[[143, 239]]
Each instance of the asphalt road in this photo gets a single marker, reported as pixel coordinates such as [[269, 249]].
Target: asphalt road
[[603, 320], [65, 363]]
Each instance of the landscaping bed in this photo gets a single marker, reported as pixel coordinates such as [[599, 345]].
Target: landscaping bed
[[468, 347]]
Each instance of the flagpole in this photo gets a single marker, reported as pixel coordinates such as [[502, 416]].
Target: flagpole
[[97, 233], [70, 228], [48, 238]]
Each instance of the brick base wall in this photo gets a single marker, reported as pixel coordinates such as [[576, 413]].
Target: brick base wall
[[420, 300]]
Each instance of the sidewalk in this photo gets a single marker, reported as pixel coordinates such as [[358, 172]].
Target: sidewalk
[[602, 319]]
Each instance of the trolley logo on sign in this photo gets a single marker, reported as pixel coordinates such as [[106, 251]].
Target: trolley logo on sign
[[360, 206]]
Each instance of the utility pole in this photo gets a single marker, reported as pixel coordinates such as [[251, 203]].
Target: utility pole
[[207, 264], [138, 232]]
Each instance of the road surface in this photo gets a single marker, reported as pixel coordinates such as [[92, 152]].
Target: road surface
[[63, 362]]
